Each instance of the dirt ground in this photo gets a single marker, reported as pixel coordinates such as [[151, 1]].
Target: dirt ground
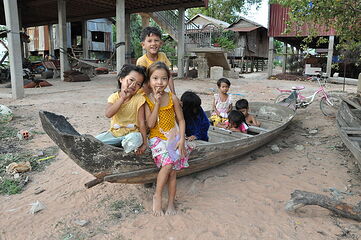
[[244, 199]]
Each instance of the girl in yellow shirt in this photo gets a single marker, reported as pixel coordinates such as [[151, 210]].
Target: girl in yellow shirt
[[169, 149], [126, 110]]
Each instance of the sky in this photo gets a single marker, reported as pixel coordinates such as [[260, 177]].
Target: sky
[[259, 16]]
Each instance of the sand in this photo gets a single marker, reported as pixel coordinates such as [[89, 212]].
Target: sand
[[243, 199]]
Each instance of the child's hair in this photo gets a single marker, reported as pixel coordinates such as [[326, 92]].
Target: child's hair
[[126, 69], [223, 80], [236, 118], [148, 31], [191, 105], [156, 66], [242, 104]]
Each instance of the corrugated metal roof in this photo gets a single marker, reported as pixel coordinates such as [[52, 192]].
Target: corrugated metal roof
[[43, 12], [278, 24]]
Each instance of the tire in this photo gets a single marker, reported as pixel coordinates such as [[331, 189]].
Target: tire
[[328, 109], [282, 97]]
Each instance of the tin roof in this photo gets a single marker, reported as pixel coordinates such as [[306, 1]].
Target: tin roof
[[278, 22], [42, 12]]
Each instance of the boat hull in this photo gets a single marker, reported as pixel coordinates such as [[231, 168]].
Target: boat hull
[[112, 164]]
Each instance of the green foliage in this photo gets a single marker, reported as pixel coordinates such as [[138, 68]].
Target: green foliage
[[278, 45], [226, 39], [341, 15], [10, 186], [136, 30], [225, 10]]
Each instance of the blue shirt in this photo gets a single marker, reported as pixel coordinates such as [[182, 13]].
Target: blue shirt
[[198, 126]]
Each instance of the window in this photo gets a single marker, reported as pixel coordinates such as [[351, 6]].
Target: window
[[97, 36]]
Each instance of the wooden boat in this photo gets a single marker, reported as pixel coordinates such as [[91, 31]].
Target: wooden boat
[[112, 164], [349, 126]]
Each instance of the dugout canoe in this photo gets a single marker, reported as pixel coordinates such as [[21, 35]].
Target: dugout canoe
[[112, 164], [349, 126]]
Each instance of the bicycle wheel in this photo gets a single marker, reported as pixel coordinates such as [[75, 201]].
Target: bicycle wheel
[[329, 108], [282, 97]]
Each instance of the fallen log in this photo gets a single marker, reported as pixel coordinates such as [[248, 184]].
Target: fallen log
[[301, 198]]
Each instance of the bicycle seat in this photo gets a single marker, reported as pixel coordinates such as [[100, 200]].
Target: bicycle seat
[[298, 87]]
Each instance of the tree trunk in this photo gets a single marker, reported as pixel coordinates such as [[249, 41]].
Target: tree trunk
[[302, 198]]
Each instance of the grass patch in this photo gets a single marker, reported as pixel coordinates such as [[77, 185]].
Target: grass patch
[[124, 208], [7, 131], [10, 186]]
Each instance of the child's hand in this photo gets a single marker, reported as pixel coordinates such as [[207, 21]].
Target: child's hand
[[125, 94], [157, 94], [192, 138], [141, 149], [181, 148]]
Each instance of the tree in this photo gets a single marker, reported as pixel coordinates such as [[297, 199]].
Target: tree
[[225, 10], [344, 16]]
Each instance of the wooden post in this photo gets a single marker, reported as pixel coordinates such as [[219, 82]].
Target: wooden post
[[329, 55], [270, 56], [120, 31], [16, 64], [51, 40], [63, 45], [181, 38], [284, 62], [84, 38], [127, 39]]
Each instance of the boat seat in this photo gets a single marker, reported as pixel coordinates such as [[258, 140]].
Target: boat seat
[[200, 142], [257, 129], [298, 87]]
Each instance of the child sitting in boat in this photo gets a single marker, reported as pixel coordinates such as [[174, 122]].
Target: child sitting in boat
[[242, 106], [126, 110], [237, 122], [168, 145], [222, 103], [197, 123]]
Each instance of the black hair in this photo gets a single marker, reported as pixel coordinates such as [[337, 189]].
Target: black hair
[[223, 80], [155, 66], [126, 69], [237, 118], [242, 104], [146, 32], [191, 104]]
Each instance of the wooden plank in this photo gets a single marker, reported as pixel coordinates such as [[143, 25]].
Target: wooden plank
[[350, 102]]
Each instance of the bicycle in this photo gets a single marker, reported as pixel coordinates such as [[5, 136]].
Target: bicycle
[[329, 103]]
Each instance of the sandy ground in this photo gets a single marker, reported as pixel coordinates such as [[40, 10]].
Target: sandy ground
[[243, 199]]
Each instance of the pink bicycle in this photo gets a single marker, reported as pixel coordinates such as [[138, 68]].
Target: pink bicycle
[[329, 103]]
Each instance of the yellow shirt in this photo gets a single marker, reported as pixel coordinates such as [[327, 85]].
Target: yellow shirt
[[127, 114], [146, 62], [166, 118]]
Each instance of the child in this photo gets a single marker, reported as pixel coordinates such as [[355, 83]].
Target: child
[[197, 123], [151, 38], [237, 122], [163, 112], [126, 110], [222, 103], [242, 106]]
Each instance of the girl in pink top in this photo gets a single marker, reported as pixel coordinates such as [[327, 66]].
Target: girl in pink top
[[237, 122]]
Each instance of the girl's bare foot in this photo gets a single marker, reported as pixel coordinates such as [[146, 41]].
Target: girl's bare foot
[[157, 206], [171, 209]]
